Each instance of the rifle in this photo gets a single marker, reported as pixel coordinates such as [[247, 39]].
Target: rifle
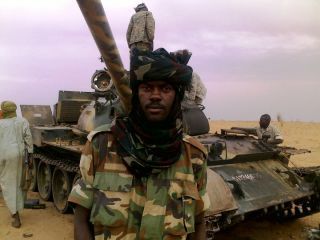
[[27, 175]]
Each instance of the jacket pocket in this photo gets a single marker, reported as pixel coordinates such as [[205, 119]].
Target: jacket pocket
[[181, 205], [112, 192]]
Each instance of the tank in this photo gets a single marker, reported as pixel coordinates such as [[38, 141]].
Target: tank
[[59, 137], [248, 178]]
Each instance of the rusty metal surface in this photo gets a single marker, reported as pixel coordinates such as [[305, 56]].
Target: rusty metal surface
[[73, 146], [69, 111], [259, 185], [75, 95], [37, 115], [259, 180], [220, 195]]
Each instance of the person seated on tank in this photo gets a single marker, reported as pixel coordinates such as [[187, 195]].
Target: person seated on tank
[[267, 132]]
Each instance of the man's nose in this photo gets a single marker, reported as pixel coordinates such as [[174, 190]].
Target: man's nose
[[155, 93]]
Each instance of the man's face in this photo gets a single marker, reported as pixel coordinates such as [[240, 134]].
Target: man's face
[[156, 99], [264, 123]]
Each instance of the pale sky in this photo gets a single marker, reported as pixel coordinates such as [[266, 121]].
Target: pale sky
[[254, 56]]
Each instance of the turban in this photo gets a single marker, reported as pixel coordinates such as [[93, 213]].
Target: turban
[[8, 109], [158, 65]]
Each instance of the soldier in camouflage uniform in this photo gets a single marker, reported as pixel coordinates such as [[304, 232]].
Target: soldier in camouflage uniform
[[197, 91], [140, 32], [142, 178]]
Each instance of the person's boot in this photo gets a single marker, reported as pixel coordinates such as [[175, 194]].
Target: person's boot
[[16, 220]]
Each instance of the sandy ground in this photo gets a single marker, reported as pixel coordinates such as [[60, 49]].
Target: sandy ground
[[48, 224]]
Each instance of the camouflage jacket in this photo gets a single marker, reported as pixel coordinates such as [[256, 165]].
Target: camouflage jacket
[[123, 206], [197, 93], [141, 28]]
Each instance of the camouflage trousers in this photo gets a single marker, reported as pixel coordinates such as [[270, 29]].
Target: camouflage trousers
[[142, 46]]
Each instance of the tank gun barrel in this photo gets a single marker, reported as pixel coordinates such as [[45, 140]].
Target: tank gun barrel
[[96, 19]]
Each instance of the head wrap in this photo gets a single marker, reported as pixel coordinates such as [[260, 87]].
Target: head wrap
[[140, 7], [8, 109], [158, 65], [153, 145], [181, 56]]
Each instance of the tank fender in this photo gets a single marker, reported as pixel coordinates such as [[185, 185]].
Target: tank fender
[[220, 195]]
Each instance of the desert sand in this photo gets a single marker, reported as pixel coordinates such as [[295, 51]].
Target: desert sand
[[48, 224]]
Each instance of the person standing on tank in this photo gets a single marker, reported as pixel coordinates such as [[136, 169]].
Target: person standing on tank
[[15, 137], [140, 32]]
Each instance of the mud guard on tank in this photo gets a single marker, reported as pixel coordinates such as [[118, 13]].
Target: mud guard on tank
[[220, 195]]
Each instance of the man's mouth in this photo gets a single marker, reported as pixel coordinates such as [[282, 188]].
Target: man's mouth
[[155, 108]]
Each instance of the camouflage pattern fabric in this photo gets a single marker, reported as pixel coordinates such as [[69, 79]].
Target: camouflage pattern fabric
[[141, 46], [123, 206], [197, 92], [158, 65], [141, 28]]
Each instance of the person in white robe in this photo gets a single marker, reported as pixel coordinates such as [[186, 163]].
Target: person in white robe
[[15, 137]]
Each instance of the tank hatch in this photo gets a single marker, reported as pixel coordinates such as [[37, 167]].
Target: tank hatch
[[37, 115]]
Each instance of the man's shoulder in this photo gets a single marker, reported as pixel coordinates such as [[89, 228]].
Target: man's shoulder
[[101, 130], [142, 14], [20, 120], [195, 144], [272, 128], [139, 14]]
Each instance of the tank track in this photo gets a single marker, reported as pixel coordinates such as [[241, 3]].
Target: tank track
[[63, 164]]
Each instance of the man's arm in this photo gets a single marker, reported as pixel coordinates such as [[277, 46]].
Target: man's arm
[[83, 229], [150, 26], [275, 141], [129, 30], [81, 195], [200, 175], [201, 90], [200, 228]]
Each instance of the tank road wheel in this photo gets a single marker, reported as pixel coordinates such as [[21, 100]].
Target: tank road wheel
[[33, 184], [44, 176], [61, 187]]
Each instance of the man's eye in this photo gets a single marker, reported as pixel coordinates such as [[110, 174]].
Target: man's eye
[[167, 88], [146, 88]]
